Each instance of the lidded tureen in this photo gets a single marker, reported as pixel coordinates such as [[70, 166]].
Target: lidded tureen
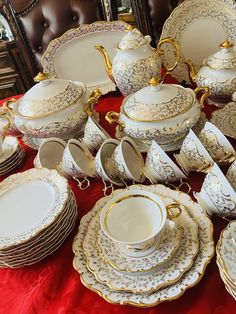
[[164, 112], [52, 107], [135, 62], [218, 73]]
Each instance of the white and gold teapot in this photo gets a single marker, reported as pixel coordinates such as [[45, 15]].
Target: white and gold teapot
[[135, 62], [218, 73]]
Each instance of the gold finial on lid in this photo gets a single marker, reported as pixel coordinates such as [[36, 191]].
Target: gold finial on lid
[[154, 81], [41, 76], [226, 44], [129, 28]]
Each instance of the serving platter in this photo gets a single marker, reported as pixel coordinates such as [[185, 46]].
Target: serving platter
[[73, 56], [189, 279], [199, 27]]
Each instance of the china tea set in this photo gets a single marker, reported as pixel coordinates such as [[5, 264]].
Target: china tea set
[[132, 236]]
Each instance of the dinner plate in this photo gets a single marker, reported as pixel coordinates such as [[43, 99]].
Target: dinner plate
[[225, 119], [189, 279], [170, 242], [199, 27], [29, 202], [73, 56]]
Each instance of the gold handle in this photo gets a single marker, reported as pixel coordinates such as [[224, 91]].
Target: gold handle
[[113, 117], [6, 105], [228, 158], [92, 101], [171, 41], [205, 95], [9, 122], [206, 167], [172, 215]]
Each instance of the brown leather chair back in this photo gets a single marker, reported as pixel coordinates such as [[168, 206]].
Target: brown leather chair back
[[40, 21]]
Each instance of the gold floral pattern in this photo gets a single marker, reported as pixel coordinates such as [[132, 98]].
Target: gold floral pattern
[[132, 76], [225, 119], [181, 102]]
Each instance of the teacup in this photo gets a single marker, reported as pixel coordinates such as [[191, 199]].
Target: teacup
[[159, 167], [127, 161], [50, 153], [135, 220], [193, 156], [94, 134], [217, 195], [217, 144], [104, 167], [78, 163], [231, 175]]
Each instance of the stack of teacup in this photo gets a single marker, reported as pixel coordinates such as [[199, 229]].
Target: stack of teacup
[[226, 257]]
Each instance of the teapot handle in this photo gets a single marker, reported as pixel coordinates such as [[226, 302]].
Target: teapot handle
[[171, 41]]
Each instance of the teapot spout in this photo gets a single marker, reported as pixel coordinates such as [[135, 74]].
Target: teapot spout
[[107, 61], [191, 71]]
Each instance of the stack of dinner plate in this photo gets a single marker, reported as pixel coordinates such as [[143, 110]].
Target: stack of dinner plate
[[38, 211], [226, 257], [11, 154], [150, 272]]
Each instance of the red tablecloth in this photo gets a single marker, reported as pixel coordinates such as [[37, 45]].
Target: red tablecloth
[[53, 285]]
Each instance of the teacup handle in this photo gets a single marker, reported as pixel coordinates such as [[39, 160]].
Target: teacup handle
[[170, 213], [107, 188], [205, 168], [228, 158], [84, 184], [113, 117], [171, 41]]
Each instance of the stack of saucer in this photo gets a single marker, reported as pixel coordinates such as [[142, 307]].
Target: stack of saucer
[[226, 257], [152, 269], [11, 154], [38, 211]]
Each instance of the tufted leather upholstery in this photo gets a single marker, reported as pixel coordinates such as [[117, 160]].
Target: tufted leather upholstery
[[159, 11], [40, 21]]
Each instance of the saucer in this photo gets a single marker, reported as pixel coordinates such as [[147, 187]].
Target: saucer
[[170, 242]]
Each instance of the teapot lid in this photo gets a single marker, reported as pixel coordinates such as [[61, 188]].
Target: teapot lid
[[157, 102], [133, 39], [225, 58], [49, 96]]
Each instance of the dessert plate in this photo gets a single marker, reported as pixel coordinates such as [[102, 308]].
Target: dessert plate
[[110, 252], [225, 119], [47, 192], [73, 55], [199, 27], [189, 279], [141, 282]]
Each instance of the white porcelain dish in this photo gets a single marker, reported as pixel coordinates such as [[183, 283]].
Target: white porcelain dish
[[73, 55], [198, 27]]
